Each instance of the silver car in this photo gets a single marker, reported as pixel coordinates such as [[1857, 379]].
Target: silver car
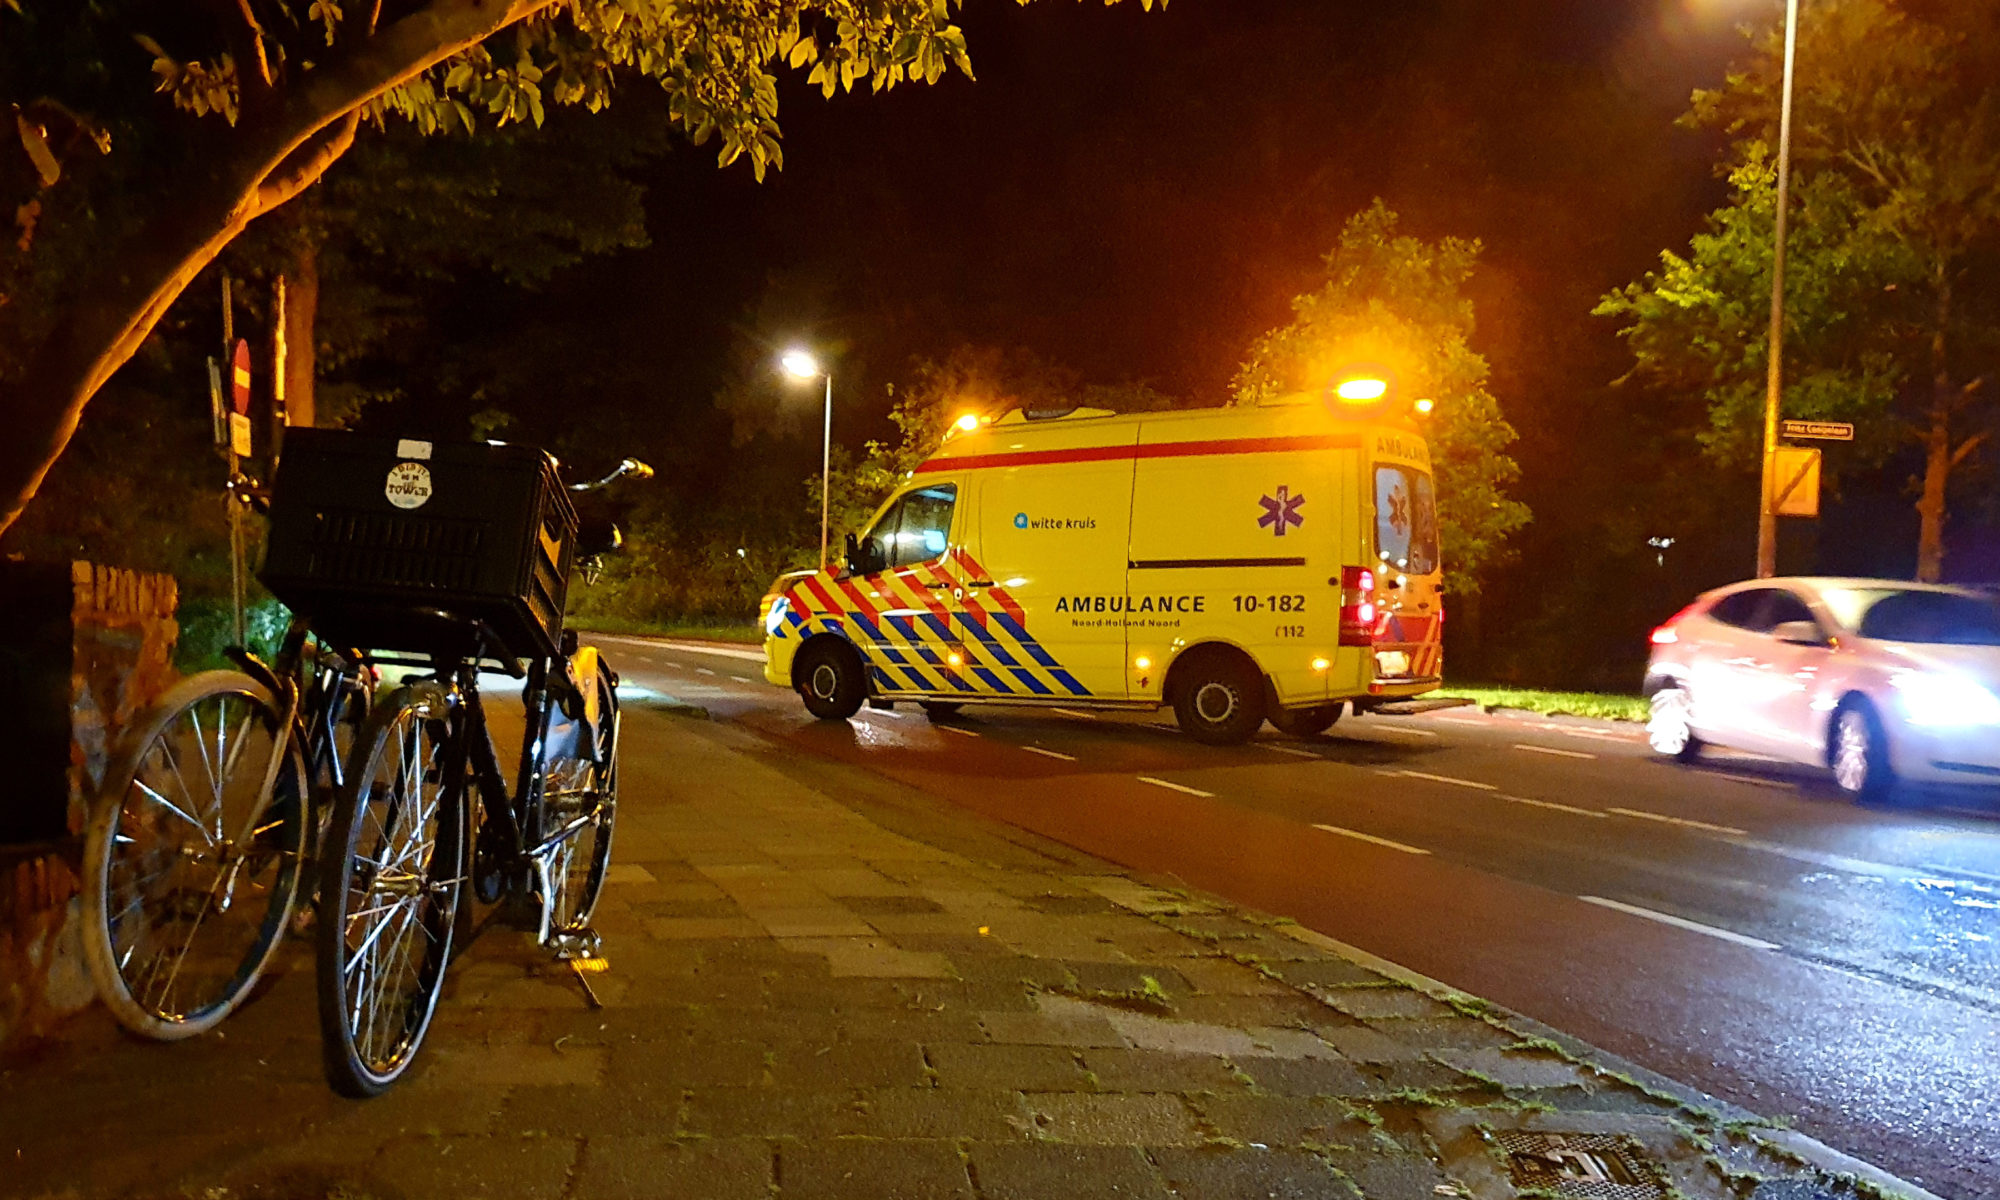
[[1880, 680]]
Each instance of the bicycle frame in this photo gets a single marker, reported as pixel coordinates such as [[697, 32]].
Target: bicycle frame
[[314, 729]]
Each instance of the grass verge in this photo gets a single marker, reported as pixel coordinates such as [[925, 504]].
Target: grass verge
[[1610, 705], [746, 632]]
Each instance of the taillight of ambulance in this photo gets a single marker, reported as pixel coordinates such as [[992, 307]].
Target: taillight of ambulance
[[1357, 606]]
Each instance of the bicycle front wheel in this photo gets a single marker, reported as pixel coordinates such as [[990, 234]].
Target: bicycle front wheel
[[393, 871], [191, 862], [580, 809]]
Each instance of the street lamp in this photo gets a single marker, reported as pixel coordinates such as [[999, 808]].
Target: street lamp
[[804, 367], [1767, 509]]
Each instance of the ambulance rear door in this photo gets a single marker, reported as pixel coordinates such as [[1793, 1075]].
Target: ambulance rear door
[[1240, 528], [1046, 567]]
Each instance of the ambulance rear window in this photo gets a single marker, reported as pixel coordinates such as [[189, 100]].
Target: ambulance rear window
[[1406, 534]]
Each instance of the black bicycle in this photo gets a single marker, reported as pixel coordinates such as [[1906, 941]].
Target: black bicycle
[[461, 572]]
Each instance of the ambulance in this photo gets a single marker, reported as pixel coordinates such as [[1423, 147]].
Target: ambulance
[[1275, 561]]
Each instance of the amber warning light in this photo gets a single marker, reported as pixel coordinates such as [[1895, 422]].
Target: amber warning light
[[1357, 606]]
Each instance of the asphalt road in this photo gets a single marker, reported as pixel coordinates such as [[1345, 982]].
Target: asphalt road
[[1732, 925]]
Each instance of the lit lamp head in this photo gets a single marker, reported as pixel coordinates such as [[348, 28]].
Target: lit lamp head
[[966, 423], [800, 365], [1361, 390]]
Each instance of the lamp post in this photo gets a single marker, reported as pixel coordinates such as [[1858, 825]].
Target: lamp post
[[804, 367], [1767, 514]]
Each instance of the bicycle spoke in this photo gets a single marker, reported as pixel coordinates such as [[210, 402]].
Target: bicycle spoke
[[160, 799]]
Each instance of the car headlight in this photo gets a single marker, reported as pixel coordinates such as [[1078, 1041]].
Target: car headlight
[[1947, 700], [774, 617]]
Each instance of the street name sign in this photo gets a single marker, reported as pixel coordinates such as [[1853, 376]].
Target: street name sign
[[1824, 431]]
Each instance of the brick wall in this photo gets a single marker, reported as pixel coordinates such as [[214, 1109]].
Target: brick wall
[[83, 650]]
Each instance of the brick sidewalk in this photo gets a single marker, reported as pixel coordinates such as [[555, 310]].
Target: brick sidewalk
[[876, 999]]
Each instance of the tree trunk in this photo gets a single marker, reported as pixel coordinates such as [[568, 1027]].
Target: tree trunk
[[260, 164], [1938, 459], [301, 311]]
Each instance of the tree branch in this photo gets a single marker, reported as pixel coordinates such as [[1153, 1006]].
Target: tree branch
[[1966, 447], [305, 165], [256, 40]]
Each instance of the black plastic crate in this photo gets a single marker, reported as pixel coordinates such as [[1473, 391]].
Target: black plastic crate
[[371, 536]]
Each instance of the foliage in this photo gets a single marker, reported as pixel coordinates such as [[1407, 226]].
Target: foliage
[[1892, 284], [1607, 705], [1396, 300], [262, 96]]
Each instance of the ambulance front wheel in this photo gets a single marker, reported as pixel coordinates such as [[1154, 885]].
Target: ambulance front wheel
[[1304, 722], [1219, 699], [831, 679]]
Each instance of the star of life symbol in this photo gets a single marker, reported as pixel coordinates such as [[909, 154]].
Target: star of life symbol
[[1281, 511], [1399, 511]]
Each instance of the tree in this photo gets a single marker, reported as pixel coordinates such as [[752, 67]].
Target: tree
[[1397, 300], [265, 95], [1891, 285]]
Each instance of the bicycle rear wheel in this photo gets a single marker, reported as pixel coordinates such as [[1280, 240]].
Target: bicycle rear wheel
[[191, 866], [580, 804], [391, 881]]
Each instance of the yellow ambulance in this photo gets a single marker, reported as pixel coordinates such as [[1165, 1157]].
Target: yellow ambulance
[[1271, 561]]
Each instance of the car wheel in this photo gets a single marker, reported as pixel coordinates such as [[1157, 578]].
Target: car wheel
[[939, 710], [831, 679], [1219, 699], [1667, 729], [1860, 757], [1303, 722]]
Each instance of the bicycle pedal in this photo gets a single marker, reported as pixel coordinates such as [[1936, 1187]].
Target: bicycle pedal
[[582, 949]]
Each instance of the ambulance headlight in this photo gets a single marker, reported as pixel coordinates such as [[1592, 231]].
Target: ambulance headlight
[[775, 619]]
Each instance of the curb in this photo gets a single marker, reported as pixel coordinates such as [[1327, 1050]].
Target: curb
[[1809, 1149]]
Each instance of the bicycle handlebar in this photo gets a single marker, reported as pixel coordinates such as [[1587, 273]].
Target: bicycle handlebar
[[630, 466]]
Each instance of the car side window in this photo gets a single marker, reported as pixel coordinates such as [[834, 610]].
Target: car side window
[[917, 528], [1744, 609], [1783, 607]]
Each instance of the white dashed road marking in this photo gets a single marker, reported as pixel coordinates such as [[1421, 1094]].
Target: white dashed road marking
[[1552, 750], [1568, 808], [703, 671], [1176, 787], [742, 679], [1070, 712], [1050, 753], [1369, 837], [1455, 782], [1291, 750], [1683, 822], [1726, 935], [955, 729]]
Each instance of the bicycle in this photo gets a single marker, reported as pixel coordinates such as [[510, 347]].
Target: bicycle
[[427, 812], [197, 847]]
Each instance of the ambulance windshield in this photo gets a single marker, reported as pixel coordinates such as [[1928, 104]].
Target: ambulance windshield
[[1406, 533], [916, 528]]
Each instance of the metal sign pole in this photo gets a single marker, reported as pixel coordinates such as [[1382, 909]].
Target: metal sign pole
[[229, 494]]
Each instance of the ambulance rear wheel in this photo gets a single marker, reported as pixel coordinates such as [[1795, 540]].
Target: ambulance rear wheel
[[831, 680], [1304, 722], [939, 710], [1219, 699]]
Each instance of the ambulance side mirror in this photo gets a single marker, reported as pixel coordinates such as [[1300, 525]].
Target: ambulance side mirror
[[852, 555]]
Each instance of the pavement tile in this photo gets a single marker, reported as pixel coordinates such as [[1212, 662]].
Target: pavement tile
[[653, 1168], [1042, 1170], [1021, 1068], [463, 1066], [1417, 1076], [1122, 1070], [873, 958], [1223, 1173], [1394, 1176], [959, 943], [849, 1064], [701, 1062], [697, 928], [1128, 977], [769, 1112], [710, 907], [823, 922], [1364, 1044], [1378, 1002], [1327, 973], [1307, 1077], [1517, 1069], [868, 1169], [1010, 970], [906, 1024], [443, 1168], [1220, 976], [1113, 1120], [1040, 1029], [885, 899], [994, 1114], [636, 1105], [1288, 1009], [1283, 1120], [1454, 1033]]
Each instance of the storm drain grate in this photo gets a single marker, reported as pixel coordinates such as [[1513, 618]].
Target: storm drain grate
[[1589, 1166]]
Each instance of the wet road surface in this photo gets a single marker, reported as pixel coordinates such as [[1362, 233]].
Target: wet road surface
[[1733, 925]]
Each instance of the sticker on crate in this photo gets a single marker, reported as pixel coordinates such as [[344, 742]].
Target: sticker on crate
[[409, 485]]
